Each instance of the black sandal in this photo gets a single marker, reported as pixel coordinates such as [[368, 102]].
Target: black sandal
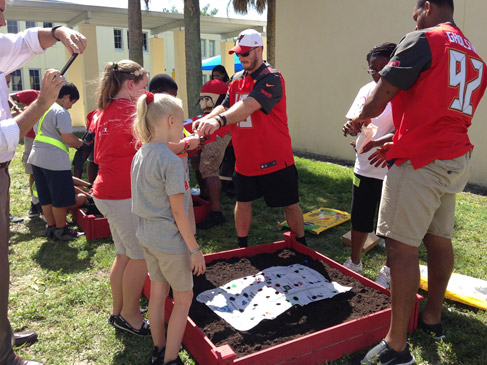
[[122, 324], [157, 356]]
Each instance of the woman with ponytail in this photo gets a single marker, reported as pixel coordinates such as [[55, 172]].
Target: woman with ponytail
[[121, 85]]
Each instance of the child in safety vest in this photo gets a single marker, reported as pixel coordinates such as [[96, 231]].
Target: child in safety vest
[[52, 167]]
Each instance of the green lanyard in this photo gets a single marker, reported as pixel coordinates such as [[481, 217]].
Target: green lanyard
[[49, 140]]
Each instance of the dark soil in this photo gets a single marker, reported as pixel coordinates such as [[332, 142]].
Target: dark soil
[[295, 322]]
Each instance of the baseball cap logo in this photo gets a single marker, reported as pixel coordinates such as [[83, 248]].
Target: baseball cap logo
[[240, 37]]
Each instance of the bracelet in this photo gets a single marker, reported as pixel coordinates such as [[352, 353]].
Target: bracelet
[[224, 118], [195, 251], [219, 123], [53, 29]]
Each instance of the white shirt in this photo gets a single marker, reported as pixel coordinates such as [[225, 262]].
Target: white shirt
[[15, 51], [384, 125]]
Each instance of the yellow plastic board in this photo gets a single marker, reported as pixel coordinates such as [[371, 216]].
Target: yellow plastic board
[[321, 219], [461, 288]]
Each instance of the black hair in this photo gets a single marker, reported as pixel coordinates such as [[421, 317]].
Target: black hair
[[220, 99], [221, 69], [382, 50], [162, 83], [69, 89], [440, 3]]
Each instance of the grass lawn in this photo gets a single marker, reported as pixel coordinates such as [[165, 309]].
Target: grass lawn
[[62, 291]]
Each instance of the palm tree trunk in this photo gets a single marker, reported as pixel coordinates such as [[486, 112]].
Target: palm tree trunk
[[271, 32], [135, 32], [193, 54]]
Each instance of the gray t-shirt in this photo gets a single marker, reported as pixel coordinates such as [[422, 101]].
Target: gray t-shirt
[[46, 155], [156, 174]]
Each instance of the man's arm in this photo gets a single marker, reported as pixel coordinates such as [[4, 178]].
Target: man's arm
[[236, 113], [377, 101], [50, 87], [74, 41]]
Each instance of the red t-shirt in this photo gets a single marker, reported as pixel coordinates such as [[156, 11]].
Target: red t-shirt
[[262, 143], [91, 119], [114, 150], [442, 80], [26, 97]]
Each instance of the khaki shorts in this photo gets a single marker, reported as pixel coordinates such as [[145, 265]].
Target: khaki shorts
[[421, 201], [28, 142], [123, 225], [211, 156], [174, 269]]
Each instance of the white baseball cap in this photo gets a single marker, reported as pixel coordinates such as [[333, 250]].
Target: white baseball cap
[[247, 40]]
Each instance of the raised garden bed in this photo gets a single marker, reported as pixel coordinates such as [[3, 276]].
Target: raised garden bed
[[309, 334], [91, 221]]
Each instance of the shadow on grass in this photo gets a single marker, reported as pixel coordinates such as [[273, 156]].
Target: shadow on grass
[[137, 350], [55, 256]]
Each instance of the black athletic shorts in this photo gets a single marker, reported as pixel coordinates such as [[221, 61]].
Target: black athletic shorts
[[365, 202], [279, 188], [54, 187]]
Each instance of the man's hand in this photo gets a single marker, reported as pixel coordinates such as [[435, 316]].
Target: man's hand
[[198, 265], [74, 41], [378, 158], [52, 82], [356, 123], [206, 126], [350, 129]]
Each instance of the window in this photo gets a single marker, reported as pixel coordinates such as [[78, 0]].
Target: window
[[145, 44], [16, 80], [211, 48], [205, 78], [30, 25], [203, 48], [35, 79], [12, 26], [47, 25], [118, 39]]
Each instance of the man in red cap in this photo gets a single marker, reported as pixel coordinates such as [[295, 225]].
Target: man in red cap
[[207, 163], [255, 107]]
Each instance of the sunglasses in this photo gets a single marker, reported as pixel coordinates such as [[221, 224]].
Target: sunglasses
[[246, 54]]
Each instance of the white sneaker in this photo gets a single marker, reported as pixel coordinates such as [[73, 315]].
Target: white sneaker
[[384, 278], [358, 268]]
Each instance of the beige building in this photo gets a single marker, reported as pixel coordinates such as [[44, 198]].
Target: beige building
[[106, 31], [320, 49]]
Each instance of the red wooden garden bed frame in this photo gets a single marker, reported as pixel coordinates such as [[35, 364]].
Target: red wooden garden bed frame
[[92, 226], [319, 347]]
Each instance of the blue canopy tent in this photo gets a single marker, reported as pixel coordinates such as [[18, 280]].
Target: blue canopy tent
[[209, 63]]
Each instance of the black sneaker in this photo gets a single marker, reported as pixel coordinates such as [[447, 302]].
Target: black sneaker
[[436, 330], [213, 219], [35, 210], [383, 354], [50, 231], [111, 319], [66, 234], [157, 357], [122, 324]]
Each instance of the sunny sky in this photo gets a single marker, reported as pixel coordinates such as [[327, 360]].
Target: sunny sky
[[155, 5]]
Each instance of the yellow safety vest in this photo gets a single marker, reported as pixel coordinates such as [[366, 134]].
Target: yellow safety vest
[[49, 140]]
